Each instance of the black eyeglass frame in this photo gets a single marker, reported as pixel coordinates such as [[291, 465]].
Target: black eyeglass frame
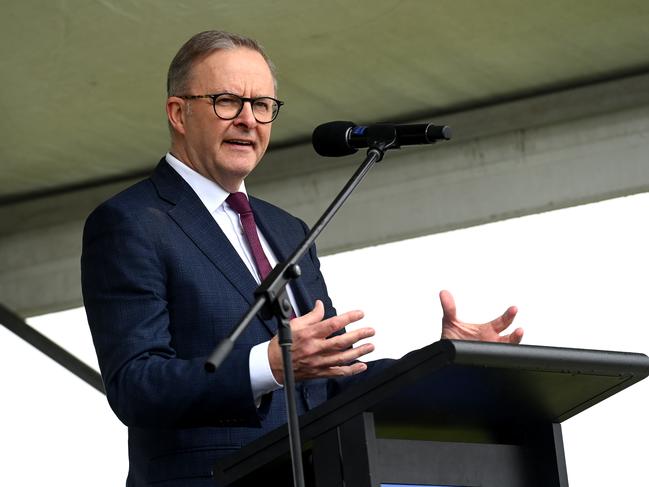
[[243, 99]]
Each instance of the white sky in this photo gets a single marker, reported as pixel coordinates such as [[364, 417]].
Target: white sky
[[579, 277]]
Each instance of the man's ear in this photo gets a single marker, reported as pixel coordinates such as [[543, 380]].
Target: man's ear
[[177, 113]]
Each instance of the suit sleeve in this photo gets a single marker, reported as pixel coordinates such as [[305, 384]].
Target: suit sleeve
[[125, 293]]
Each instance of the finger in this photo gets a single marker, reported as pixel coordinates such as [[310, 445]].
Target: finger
[[502, 322], [343, 358], [448, 305], [320, 352], [342, 371], [347, 370], [346, 340], [514, 337], [335, 323]]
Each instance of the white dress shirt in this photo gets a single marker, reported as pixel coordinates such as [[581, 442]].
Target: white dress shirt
[[213, 197]]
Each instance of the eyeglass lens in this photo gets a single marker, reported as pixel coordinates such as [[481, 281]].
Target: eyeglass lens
[[228, 106]]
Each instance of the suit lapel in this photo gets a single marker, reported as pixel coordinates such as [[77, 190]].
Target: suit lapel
[[192, 217], [276, 232]]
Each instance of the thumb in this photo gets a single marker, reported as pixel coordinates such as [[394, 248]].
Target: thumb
[[315, 315], [448, 304]]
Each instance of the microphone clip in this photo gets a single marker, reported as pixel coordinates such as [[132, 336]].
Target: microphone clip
[[380, 137]]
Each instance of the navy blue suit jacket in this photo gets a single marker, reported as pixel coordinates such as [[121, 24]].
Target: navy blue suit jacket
[[162, 285]]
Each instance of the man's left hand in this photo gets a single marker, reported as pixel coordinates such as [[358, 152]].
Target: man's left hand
[[454, 329]]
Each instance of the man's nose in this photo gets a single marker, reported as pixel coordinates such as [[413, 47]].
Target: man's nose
[[246, 116]]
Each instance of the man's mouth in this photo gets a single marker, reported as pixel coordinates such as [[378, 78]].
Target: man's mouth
[[240, 142]]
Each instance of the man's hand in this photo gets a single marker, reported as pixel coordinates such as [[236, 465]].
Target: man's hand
[[315, 355], [454, 329]]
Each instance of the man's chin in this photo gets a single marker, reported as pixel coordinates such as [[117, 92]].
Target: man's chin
[[240, 171]]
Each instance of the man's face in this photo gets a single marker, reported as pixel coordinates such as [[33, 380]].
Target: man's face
[[226, 151]]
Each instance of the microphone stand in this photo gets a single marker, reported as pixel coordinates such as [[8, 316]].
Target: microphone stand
[[271, 299]]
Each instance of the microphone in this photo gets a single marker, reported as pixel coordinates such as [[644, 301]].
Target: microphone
[[336, 139]]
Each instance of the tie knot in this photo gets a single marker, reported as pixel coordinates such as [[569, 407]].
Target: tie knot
[[239, 203]]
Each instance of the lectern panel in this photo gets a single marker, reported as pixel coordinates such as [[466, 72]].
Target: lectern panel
[[445, 415], [422, 485]]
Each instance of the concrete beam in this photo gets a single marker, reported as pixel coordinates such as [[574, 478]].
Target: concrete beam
[[512, 159]]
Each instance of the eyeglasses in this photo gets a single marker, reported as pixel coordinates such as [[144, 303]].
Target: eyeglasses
[[228, 106]]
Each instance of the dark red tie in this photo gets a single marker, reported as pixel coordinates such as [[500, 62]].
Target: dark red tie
[[239, 203]]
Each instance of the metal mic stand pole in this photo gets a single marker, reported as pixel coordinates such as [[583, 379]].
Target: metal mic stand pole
[[271, 299]]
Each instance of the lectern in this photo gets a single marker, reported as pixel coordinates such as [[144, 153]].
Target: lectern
[[455, 413]]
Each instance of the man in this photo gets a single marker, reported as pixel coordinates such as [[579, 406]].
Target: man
[[170, 264]]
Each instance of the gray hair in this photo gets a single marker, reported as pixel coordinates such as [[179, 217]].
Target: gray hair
[[201, 45]]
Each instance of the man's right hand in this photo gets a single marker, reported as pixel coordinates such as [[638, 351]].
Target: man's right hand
[[314, 355]]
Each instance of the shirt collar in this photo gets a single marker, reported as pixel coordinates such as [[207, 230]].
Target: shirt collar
[[210, 193]]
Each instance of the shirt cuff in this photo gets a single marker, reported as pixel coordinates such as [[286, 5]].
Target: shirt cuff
[[262, 379]]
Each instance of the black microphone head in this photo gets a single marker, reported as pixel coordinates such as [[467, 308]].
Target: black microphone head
[[330, 139]]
